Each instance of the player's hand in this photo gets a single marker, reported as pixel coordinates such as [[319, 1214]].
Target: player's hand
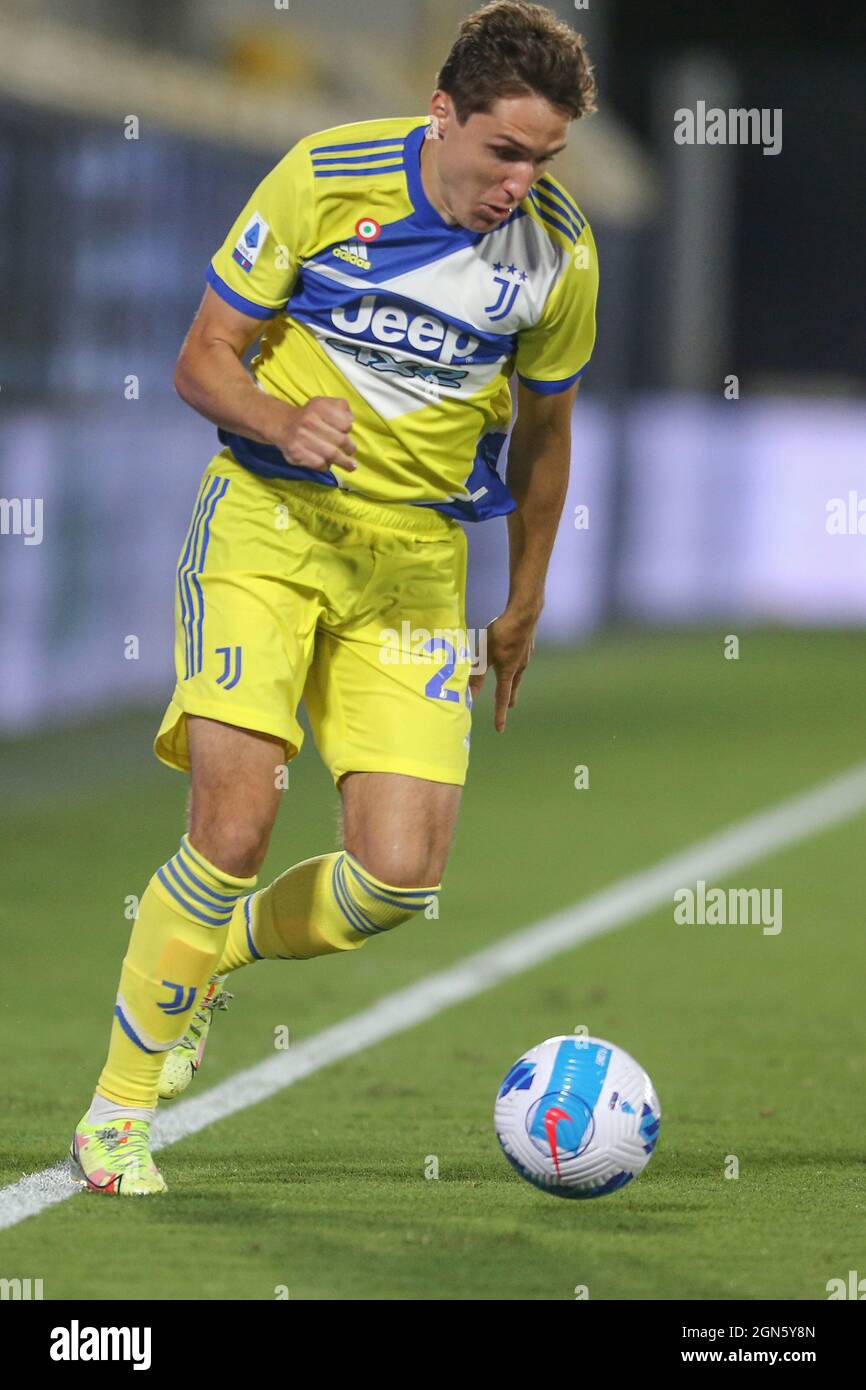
[[510, 644], [316, 435]]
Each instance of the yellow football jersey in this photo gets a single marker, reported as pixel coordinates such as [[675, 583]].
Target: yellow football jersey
[[371, 296]]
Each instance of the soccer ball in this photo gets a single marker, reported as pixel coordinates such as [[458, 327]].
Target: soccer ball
[[577, 1117]]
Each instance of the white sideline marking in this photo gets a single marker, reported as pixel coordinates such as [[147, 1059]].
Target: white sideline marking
[[755, 838]]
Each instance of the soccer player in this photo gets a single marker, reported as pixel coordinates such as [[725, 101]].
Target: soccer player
[[397, 273]]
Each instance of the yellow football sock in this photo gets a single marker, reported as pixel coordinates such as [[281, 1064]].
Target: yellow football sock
[[323, 905], [176, 941]]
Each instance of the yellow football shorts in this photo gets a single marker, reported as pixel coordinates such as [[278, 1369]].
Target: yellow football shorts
[[292, 589]]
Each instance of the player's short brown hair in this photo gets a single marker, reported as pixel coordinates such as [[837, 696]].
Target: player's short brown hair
[[511, 48]]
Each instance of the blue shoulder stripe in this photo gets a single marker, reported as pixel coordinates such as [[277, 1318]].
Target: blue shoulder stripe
[[556, 193], [397, 140], [350, 173], [553, 221], [324, 159], [187, 894], [193, 882], [539, 198]]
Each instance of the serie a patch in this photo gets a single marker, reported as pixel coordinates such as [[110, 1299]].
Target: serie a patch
[[250, 242]]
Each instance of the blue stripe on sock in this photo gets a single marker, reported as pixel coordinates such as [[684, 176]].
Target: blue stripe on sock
[[128, 1030], [370, 921], [248, 903], [406, 894], [188, 907], [195, 888], [200, 863], [346, 906], [192, 870], [190, 897]]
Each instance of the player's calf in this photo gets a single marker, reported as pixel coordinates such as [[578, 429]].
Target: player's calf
[[322, 906]]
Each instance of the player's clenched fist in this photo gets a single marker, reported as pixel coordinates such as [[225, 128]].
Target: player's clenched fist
[[317, 434]]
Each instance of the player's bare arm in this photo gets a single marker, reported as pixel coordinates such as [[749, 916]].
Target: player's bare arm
[[211, 377], [538, 466]]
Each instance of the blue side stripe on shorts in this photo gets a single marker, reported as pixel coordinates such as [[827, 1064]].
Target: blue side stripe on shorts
[[186, 563], [185, 575], [198, 622]]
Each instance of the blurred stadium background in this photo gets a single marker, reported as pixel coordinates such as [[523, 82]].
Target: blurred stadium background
[[716, 262], [714, 509]]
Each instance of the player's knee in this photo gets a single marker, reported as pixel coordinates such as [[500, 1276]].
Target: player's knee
[[402, 868], [235, 844], [378, 904]]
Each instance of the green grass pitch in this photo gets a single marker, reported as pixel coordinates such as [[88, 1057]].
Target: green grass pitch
[[756, 1044]]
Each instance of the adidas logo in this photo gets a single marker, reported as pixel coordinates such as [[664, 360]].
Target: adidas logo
[[354, 254]]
